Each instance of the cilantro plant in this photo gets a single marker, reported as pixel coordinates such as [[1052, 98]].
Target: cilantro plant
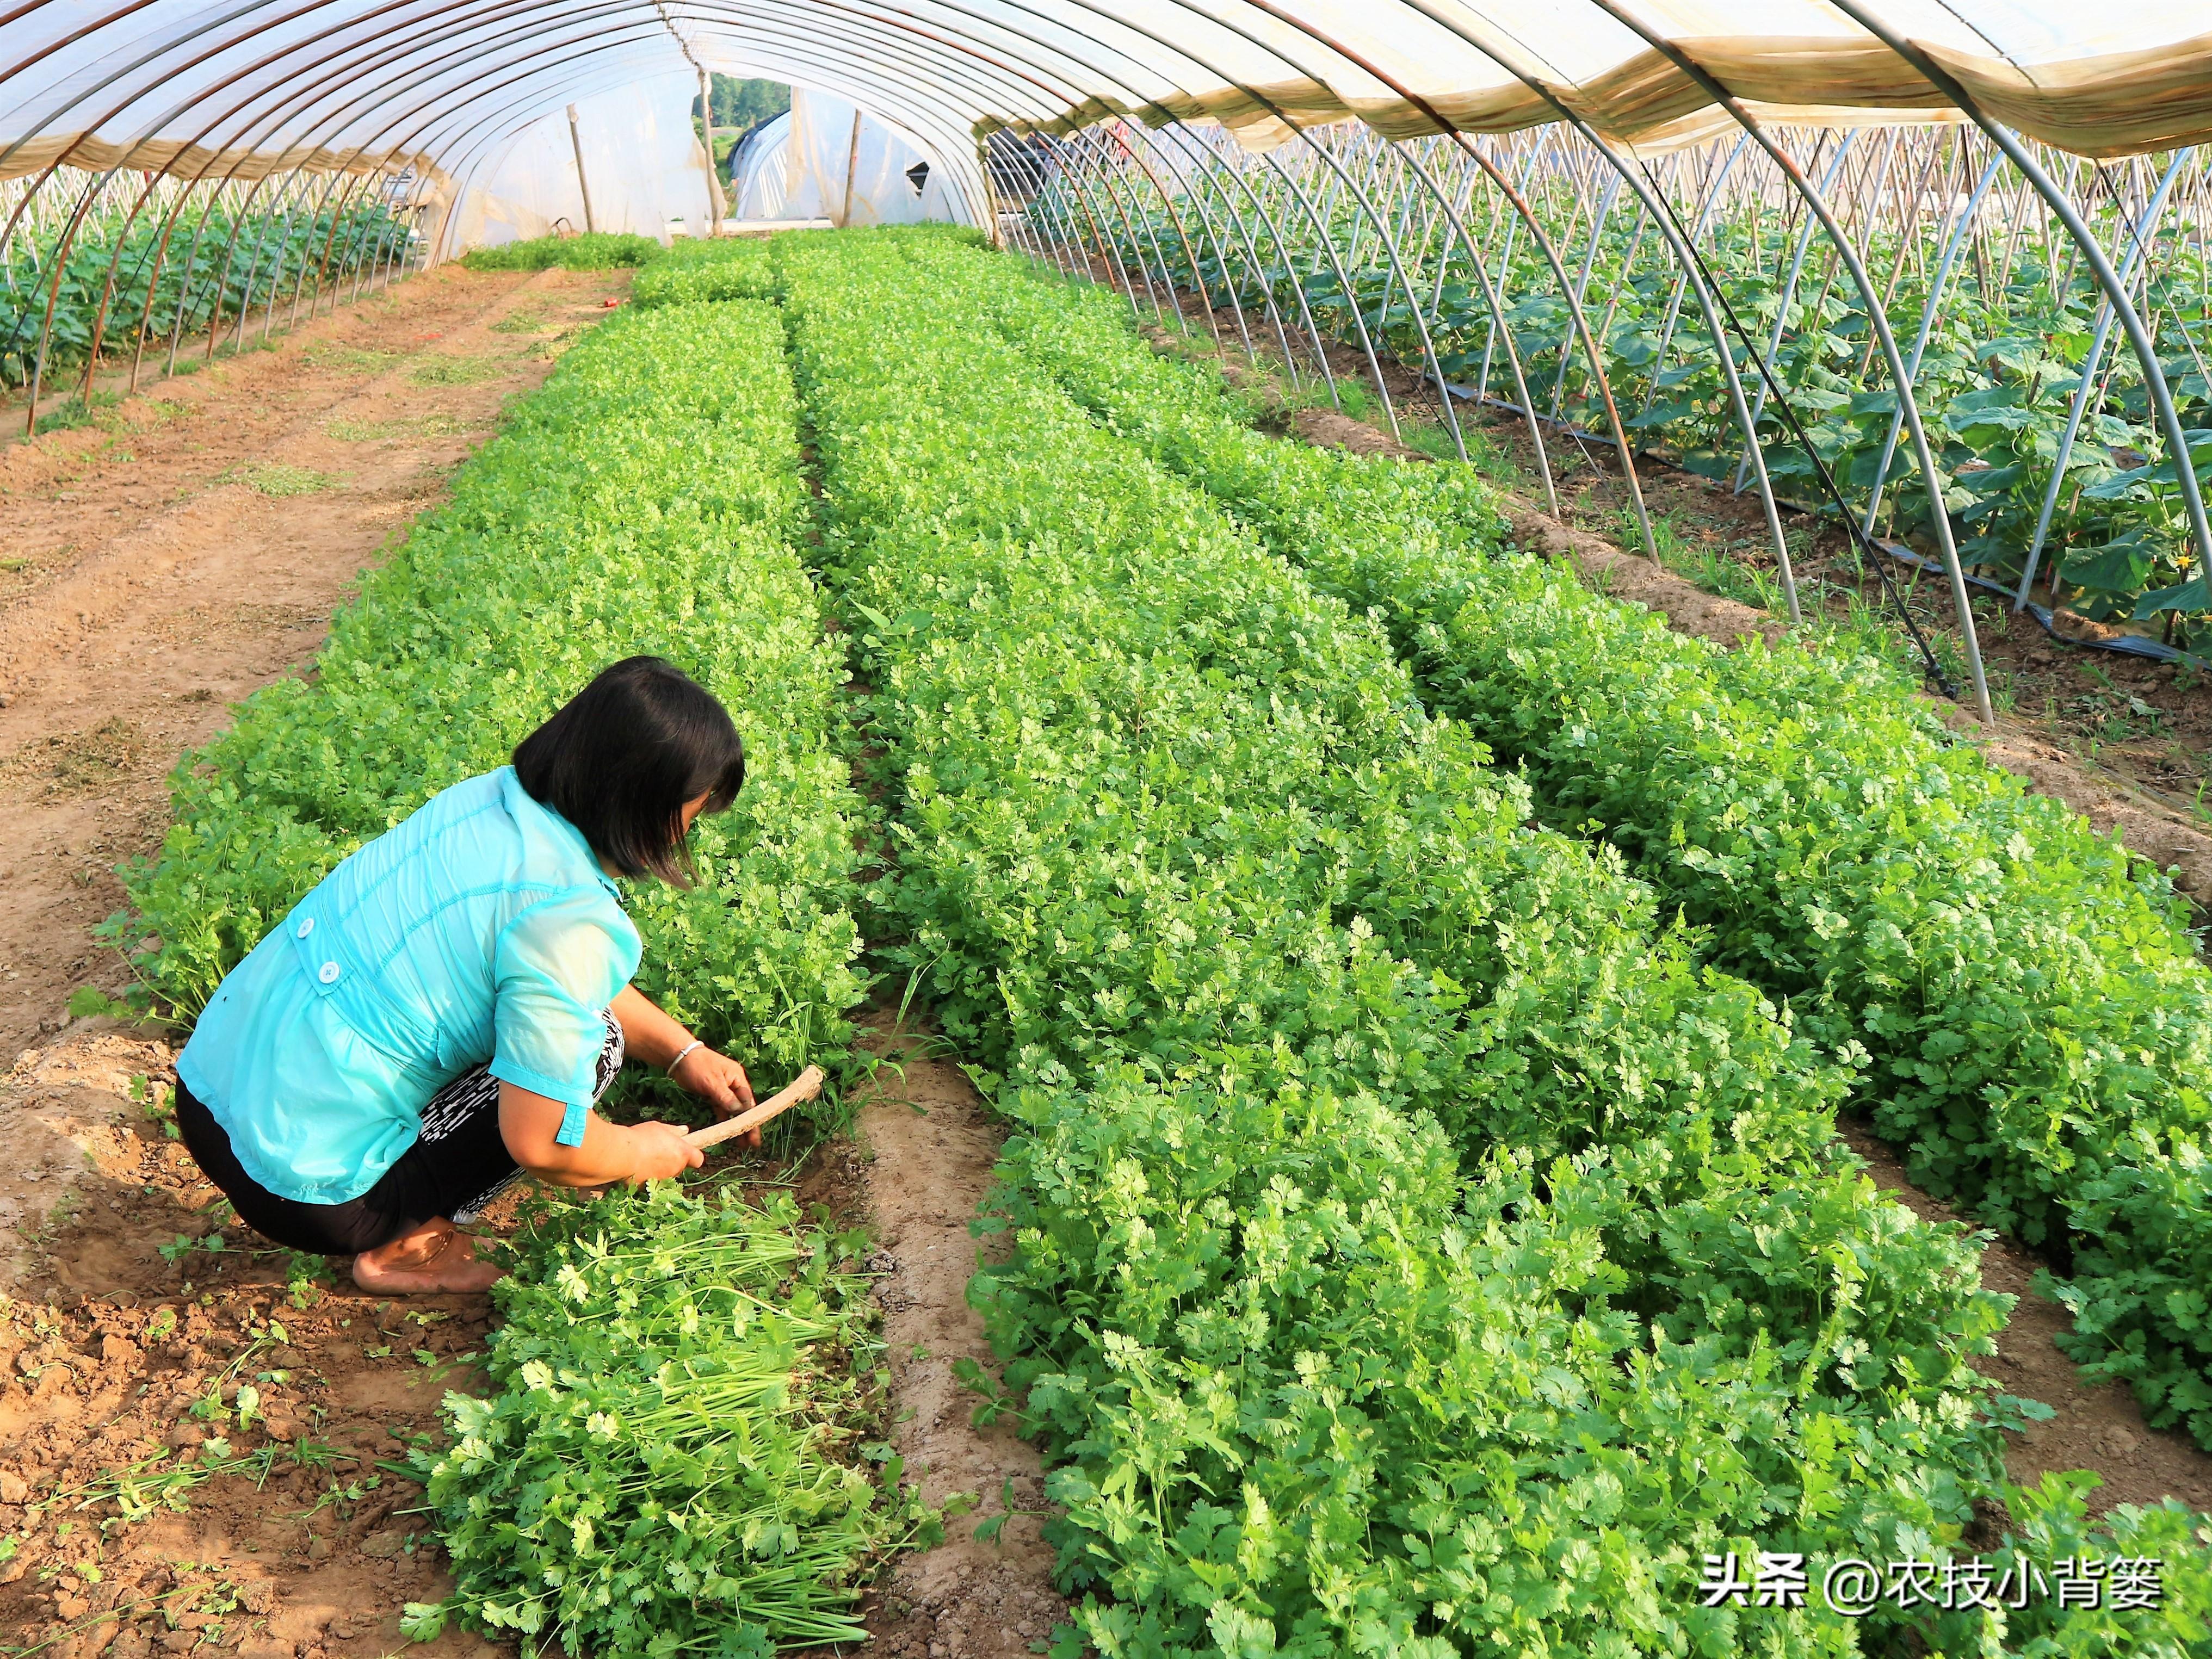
[[673, 1455], [677, 1455], [2025, 1011], [1411, 1243], [596, 250], [687, 273]]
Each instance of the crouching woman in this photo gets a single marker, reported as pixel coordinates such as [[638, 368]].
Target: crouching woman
[[442, 1013]]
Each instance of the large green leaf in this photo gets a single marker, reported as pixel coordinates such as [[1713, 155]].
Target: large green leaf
[[2121, 566], [2191, 597]]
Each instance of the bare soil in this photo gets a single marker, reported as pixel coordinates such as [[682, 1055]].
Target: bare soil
[[123, 1341], [930, 1144], [2098, 1428]]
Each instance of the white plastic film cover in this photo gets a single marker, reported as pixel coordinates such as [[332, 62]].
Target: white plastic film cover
[[641, 157], [245, 86], [842, 164]]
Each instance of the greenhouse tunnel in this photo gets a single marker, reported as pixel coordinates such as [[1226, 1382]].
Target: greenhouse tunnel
[[1881, 207], [1491, 703]]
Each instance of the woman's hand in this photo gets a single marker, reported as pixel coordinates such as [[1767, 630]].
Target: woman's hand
[[722, 1083], [717, 1080], [659, 1151], [653, 1037]]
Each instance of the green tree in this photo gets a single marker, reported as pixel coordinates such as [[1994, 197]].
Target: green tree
[[741, 106]]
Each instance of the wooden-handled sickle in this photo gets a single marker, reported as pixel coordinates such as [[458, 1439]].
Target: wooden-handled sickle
[[804, 1086]]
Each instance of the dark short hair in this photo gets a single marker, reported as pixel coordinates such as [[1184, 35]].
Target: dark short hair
[[619, 759]]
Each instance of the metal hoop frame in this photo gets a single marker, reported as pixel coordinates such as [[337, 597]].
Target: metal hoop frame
[[448, 89]]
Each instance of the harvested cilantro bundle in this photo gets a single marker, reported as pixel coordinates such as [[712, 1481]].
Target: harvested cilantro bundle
[[677, 1456]]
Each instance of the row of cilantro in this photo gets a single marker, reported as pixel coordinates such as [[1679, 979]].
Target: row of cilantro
[[595, 250], [675, 1457], [667, 1462], [2035, 1024], [683, 272], [643, 499], [734, 270], [1410, 1249], [680, 273]]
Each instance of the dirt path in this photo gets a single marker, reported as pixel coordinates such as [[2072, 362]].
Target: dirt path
[[159, 566], [931, 1146], [121, 1343], [2098, 1428]]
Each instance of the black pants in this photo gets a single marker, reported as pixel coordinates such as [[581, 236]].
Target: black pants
[[457, 1165]]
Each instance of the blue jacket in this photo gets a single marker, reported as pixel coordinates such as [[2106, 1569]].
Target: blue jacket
[[480, 929]]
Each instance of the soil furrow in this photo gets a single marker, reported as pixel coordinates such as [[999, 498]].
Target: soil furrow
[[931, 1146]]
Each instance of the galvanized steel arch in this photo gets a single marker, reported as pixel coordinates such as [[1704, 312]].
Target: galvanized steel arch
[[455, 86]]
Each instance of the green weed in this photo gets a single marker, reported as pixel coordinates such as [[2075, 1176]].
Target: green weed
[[73, 412], [355, 358], [348, 430], [455, 371], [280, 479]]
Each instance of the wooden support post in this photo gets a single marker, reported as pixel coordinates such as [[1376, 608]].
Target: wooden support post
[[852, 166], [715, 208], [583, 182]]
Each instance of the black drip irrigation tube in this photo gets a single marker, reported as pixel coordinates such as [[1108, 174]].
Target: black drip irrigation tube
[[2124, 645]]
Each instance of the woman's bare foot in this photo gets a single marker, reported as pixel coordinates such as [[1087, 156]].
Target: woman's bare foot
[[436, 1256]]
